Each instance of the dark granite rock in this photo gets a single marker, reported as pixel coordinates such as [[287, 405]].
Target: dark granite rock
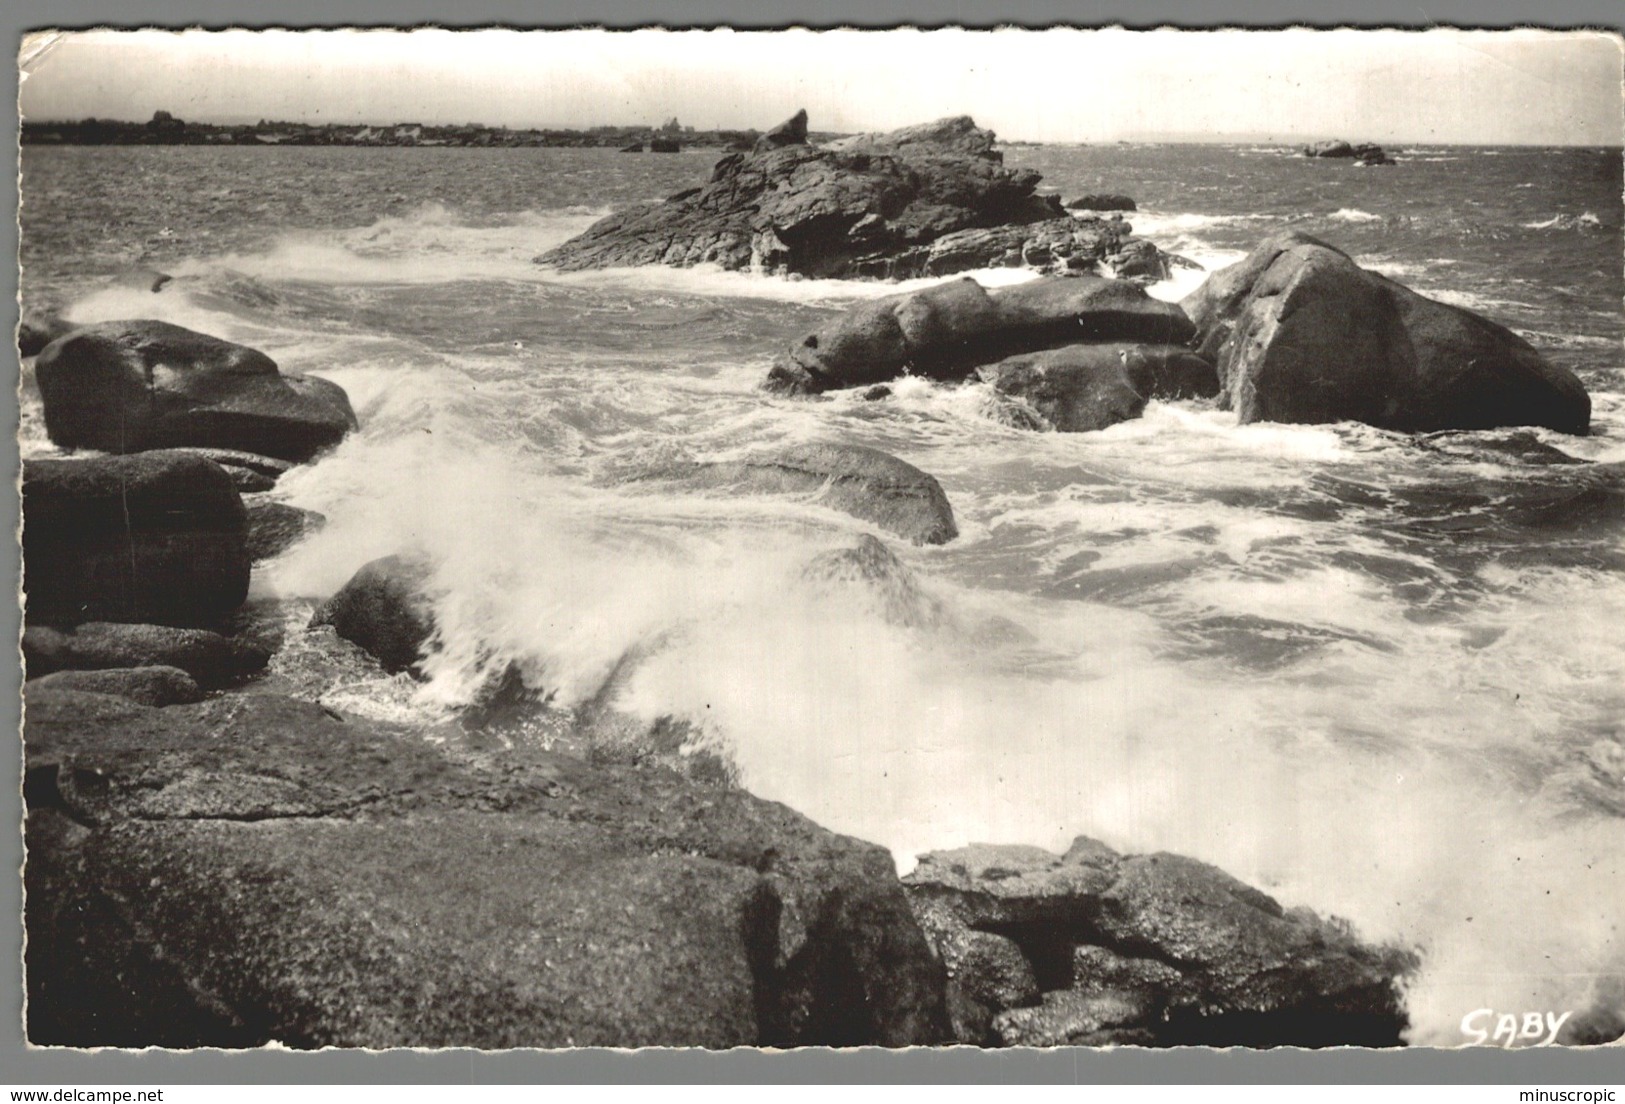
[[1159, 949], [1102, 202], [155, 686], [132, 386], [864, 482], [872, 205], [258, 869], [949, 330], [1300, 333], [383, 609], [274, 527], [38, 329], [1077, 388], [153, 537], [209, 658]]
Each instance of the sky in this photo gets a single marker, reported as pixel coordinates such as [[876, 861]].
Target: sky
[[1488, 87]]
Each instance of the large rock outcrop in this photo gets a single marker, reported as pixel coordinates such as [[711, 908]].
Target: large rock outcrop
[[1096, 948], [917, 201], [949, 330], [256, 869], [155, 537], [131, 386], [1300, 333]]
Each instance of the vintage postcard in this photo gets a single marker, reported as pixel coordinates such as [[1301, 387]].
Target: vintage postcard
[[1088, 538]]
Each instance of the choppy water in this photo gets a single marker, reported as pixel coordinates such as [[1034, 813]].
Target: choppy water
[[1381, 677]]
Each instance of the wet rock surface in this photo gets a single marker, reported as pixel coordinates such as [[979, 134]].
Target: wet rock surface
[[208, 657], [1300, 333], [949, 330], [1078, 388], [854, 479], [274, 527], [257, 868], [136, 385], [385, 610], [1144, 949], [155, 686], [155, 537]]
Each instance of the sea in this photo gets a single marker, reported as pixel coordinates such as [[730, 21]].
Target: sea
[[1378, 675]]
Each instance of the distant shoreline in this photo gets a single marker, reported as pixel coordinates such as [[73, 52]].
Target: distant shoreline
[[167, 131]]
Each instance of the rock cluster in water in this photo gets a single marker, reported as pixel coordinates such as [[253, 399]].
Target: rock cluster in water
[[1365, 153], [926, 200], [1295, 332]]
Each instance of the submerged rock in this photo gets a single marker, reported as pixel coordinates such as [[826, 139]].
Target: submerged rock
[[872, 573], [1300, 333], [131, 386], [260, 869], [854, 479], [878, 205], [1157, 949], [1077, 388], [384, 611], [949, 330], [210, 659], [153, 537]]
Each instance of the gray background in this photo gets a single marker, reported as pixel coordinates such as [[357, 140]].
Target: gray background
[[26, 1067]]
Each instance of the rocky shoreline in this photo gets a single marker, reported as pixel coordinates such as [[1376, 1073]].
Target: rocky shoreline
[[218, 858]]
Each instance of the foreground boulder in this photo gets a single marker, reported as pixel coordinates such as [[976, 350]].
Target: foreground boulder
[[1097, 948], [131, 386], [876, 205], [1078, 388], [384, 610], [258, 869], [949, 330], [1300, 333], [156, 537], [156, 686], [210, 659], [854, 479]]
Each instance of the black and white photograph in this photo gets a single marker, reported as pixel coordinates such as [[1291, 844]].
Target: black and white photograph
[[986, 538]]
